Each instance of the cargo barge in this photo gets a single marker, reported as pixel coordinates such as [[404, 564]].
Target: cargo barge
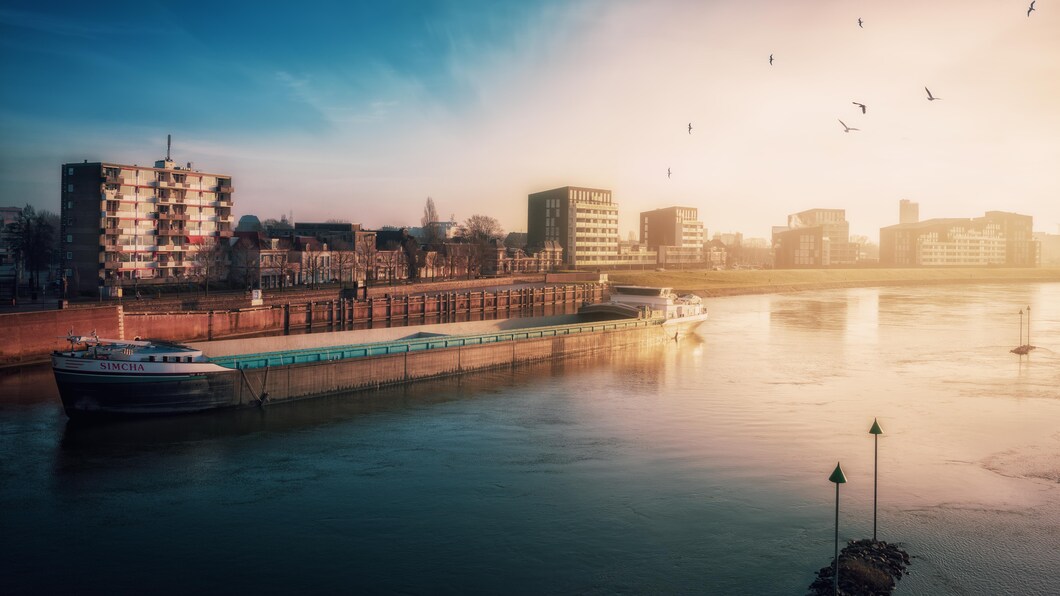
[[100, 377]]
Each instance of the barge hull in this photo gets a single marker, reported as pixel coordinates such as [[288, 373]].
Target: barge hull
[[94, 395]]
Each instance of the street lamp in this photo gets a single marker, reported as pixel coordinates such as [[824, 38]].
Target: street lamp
[[838, 478]]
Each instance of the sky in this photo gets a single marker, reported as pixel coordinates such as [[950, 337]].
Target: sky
[[361, 110]]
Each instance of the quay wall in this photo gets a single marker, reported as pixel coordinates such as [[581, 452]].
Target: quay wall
[[31, 336], [298, 381], [35, 334]]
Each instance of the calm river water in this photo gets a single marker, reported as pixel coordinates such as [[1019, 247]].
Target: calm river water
[[697, 467]]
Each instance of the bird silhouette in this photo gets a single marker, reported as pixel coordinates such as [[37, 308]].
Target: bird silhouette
[[860, 105], [1031, 7], [859, 23], [771, 59], [689, 128], [667, 172], [847, 128], [930, 96]]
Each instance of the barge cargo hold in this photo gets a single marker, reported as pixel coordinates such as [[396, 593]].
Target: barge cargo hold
[[117, 377]]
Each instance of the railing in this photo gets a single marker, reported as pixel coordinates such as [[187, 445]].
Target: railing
[[419, 344]]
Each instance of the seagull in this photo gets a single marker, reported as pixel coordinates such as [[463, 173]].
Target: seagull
[[859, 23], [667, 172], [689, 128], [771, 59], [1031, 7], [930, 96], [847, 128], [860, 105]]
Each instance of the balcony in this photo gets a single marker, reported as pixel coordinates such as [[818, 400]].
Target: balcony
[[173, 216], [172, 232], [225, 233], [225, 188]]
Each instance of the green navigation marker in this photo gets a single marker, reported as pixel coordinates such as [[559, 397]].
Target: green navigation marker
[[838, 477], [876, 431]]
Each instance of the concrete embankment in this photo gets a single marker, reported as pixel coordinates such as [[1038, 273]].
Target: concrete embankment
[[36, 334]]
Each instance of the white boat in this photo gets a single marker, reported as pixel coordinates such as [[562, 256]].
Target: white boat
[[684, 313]]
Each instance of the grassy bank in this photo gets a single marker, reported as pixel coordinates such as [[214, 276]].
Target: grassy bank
[[758, 281]]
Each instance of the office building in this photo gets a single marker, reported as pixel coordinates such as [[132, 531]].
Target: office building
[[583, 221], [996, 239], [908, 212], [675, 233], [814, 238]]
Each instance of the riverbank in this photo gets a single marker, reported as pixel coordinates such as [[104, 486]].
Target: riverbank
[[708, 283]]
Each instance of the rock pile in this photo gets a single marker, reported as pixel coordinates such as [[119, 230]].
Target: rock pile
[[866, 568]]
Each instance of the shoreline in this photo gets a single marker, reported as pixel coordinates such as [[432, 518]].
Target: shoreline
[[716, 284]]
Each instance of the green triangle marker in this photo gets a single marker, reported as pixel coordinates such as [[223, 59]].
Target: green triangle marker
[[875, 430], [837, 475]]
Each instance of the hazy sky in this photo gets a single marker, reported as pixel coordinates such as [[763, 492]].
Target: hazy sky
[[361, 110]]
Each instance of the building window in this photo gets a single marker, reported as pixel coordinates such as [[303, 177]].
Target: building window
[[69, 256], [69, 188], [69, 237]]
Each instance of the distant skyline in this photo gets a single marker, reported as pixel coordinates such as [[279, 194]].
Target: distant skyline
[[361, 110]]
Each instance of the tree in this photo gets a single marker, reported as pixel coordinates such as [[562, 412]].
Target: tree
[[33, 241], [479, 232], [413, 255], [432, 235], [209, 261], [343, 259], [245, 263], [480, 229], [366, 255]]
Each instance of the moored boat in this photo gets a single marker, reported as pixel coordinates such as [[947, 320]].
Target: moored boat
[[145, 377]]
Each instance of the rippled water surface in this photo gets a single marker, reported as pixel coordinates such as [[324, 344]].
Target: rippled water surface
[[692, 467]]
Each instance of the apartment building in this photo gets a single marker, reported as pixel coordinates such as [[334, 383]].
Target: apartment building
[[129, 224], [996, 239], [584, 221], [675, 233]]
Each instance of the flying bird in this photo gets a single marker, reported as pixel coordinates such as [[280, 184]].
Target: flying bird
[[859, 23], [930, 96], [1031, 7], [860, 105], [667, 172], [771, 59], [689, 128], [847, 128]]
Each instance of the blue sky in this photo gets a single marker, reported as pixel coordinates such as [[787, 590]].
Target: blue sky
[[360, 110]]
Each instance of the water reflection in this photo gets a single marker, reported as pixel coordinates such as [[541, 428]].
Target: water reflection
[[829, 312]]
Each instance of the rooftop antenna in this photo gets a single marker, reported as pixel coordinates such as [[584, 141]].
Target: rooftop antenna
[[169, 142]]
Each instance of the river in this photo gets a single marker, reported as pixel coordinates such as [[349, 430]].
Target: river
[[694, 467]]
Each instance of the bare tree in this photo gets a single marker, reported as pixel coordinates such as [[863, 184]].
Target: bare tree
[[311, 265], [481, 229], [343, 260], [432, 235], [391, 258], [245, 263], [209, 262], [366, 255], [479, 232], [32, 239]]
